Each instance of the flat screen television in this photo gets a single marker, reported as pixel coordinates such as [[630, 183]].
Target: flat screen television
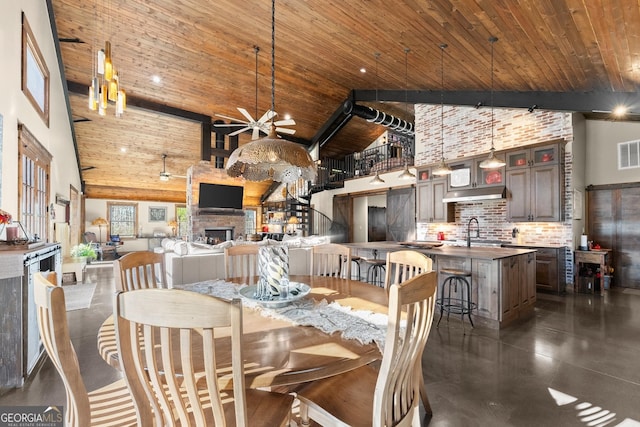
[[219, 196]]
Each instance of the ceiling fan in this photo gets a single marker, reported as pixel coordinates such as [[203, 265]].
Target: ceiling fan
[[164, 175], [263, 124]]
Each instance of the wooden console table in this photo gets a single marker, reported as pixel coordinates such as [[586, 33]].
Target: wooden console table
[[596, 256]]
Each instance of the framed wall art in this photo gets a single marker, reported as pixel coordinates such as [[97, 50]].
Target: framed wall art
[[157, 214]]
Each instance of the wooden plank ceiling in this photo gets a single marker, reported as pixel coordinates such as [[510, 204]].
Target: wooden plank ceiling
[[203, 53]]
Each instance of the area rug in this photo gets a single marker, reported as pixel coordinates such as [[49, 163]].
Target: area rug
[[79, 296]]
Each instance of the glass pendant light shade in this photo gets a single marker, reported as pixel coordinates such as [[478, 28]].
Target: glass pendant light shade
[[101, 62], [108, 65], [113, 88], [492, 162]]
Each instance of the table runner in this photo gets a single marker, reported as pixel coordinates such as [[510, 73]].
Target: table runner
[[362, 325]]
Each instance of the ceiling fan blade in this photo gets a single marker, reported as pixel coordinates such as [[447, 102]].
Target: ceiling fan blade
[[230, 118], [246, 114], [286, 130], [267, 116], [239, 131], [228, 125], [286, 122], [179, 176], [256, 133]]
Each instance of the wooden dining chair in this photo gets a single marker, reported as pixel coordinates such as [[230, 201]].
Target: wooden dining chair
[[140, 270], [388, 396], [401, 266], [111, 405], [173, 386], [241, 261], [331, 259]]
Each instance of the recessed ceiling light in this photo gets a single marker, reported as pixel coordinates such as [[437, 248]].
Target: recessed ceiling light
[[620, 110], [156, 79], [287, 116], [123, 149], [363, 70]]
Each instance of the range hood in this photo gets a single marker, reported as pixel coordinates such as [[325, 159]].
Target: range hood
[[470, 195]]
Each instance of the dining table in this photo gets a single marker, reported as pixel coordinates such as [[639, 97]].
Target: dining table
[[279, 351]]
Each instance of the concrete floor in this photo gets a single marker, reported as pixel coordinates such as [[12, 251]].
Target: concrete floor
[[575, 363]]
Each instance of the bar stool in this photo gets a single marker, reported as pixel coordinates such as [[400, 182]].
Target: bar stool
[[461, 302], [376, 270], [355, 259]]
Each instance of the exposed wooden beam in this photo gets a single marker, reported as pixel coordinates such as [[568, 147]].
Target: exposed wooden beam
[[145, 194]]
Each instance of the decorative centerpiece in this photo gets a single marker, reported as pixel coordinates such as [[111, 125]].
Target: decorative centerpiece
[[273, 269], [12, 229], [83, 250]]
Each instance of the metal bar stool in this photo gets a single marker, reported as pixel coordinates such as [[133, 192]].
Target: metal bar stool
[[376, 270], [461, 302], [355, 259]]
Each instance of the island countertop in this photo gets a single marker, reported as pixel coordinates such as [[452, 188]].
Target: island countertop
[[478, 252]]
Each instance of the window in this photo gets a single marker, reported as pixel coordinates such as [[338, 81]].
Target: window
[[181, 218], [123, 219], [250, 226], [629, 155], [35, 75], [33, 172]]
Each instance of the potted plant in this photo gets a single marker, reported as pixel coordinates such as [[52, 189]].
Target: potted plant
[[83, 250]]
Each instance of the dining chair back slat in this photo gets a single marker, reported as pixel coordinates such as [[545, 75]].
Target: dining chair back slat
[[241, 261], [170, 385], [331, 259], [82, 408], [140, 270]]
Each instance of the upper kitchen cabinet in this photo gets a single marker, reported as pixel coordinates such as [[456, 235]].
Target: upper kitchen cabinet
[[468, 174], [535, 183], [430, 190]]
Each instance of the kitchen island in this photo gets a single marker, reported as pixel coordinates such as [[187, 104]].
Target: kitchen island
[[503, 280]]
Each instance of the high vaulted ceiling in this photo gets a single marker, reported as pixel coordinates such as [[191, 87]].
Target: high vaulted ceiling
[[581, 55]]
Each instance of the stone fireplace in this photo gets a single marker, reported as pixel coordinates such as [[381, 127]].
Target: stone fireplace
[[211, 224]]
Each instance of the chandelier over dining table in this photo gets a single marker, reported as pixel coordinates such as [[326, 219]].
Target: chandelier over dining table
[[272, 157]]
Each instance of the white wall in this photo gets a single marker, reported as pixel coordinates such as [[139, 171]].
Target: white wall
[[95, 208], [15, 108], [602, 151]]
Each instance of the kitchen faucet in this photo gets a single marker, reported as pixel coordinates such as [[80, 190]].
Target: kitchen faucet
[[473, 218]]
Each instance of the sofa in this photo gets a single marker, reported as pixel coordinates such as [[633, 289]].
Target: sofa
[[191, 262]]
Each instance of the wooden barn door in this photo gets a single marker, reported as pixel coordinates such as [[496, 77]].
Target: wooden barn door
[[613, 218], [401, 214]]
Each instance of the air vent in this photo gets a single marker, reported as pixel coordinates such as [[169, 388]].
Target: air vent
[[629, 154]]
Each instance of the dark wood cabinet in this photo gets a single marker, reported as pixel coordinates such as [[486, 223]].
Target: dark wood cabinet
[[468, 174], [430, 190], [535, 184], [550, 268]]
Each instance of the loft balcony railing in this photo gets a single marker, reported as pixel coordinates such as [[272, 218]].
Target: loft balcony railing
[[332, 173]]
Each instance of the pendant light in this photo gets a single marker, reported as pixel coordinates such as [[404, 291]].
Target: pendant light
[[376, 180], [442, 168], [492, 162], [406, 173], [272, 157]]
